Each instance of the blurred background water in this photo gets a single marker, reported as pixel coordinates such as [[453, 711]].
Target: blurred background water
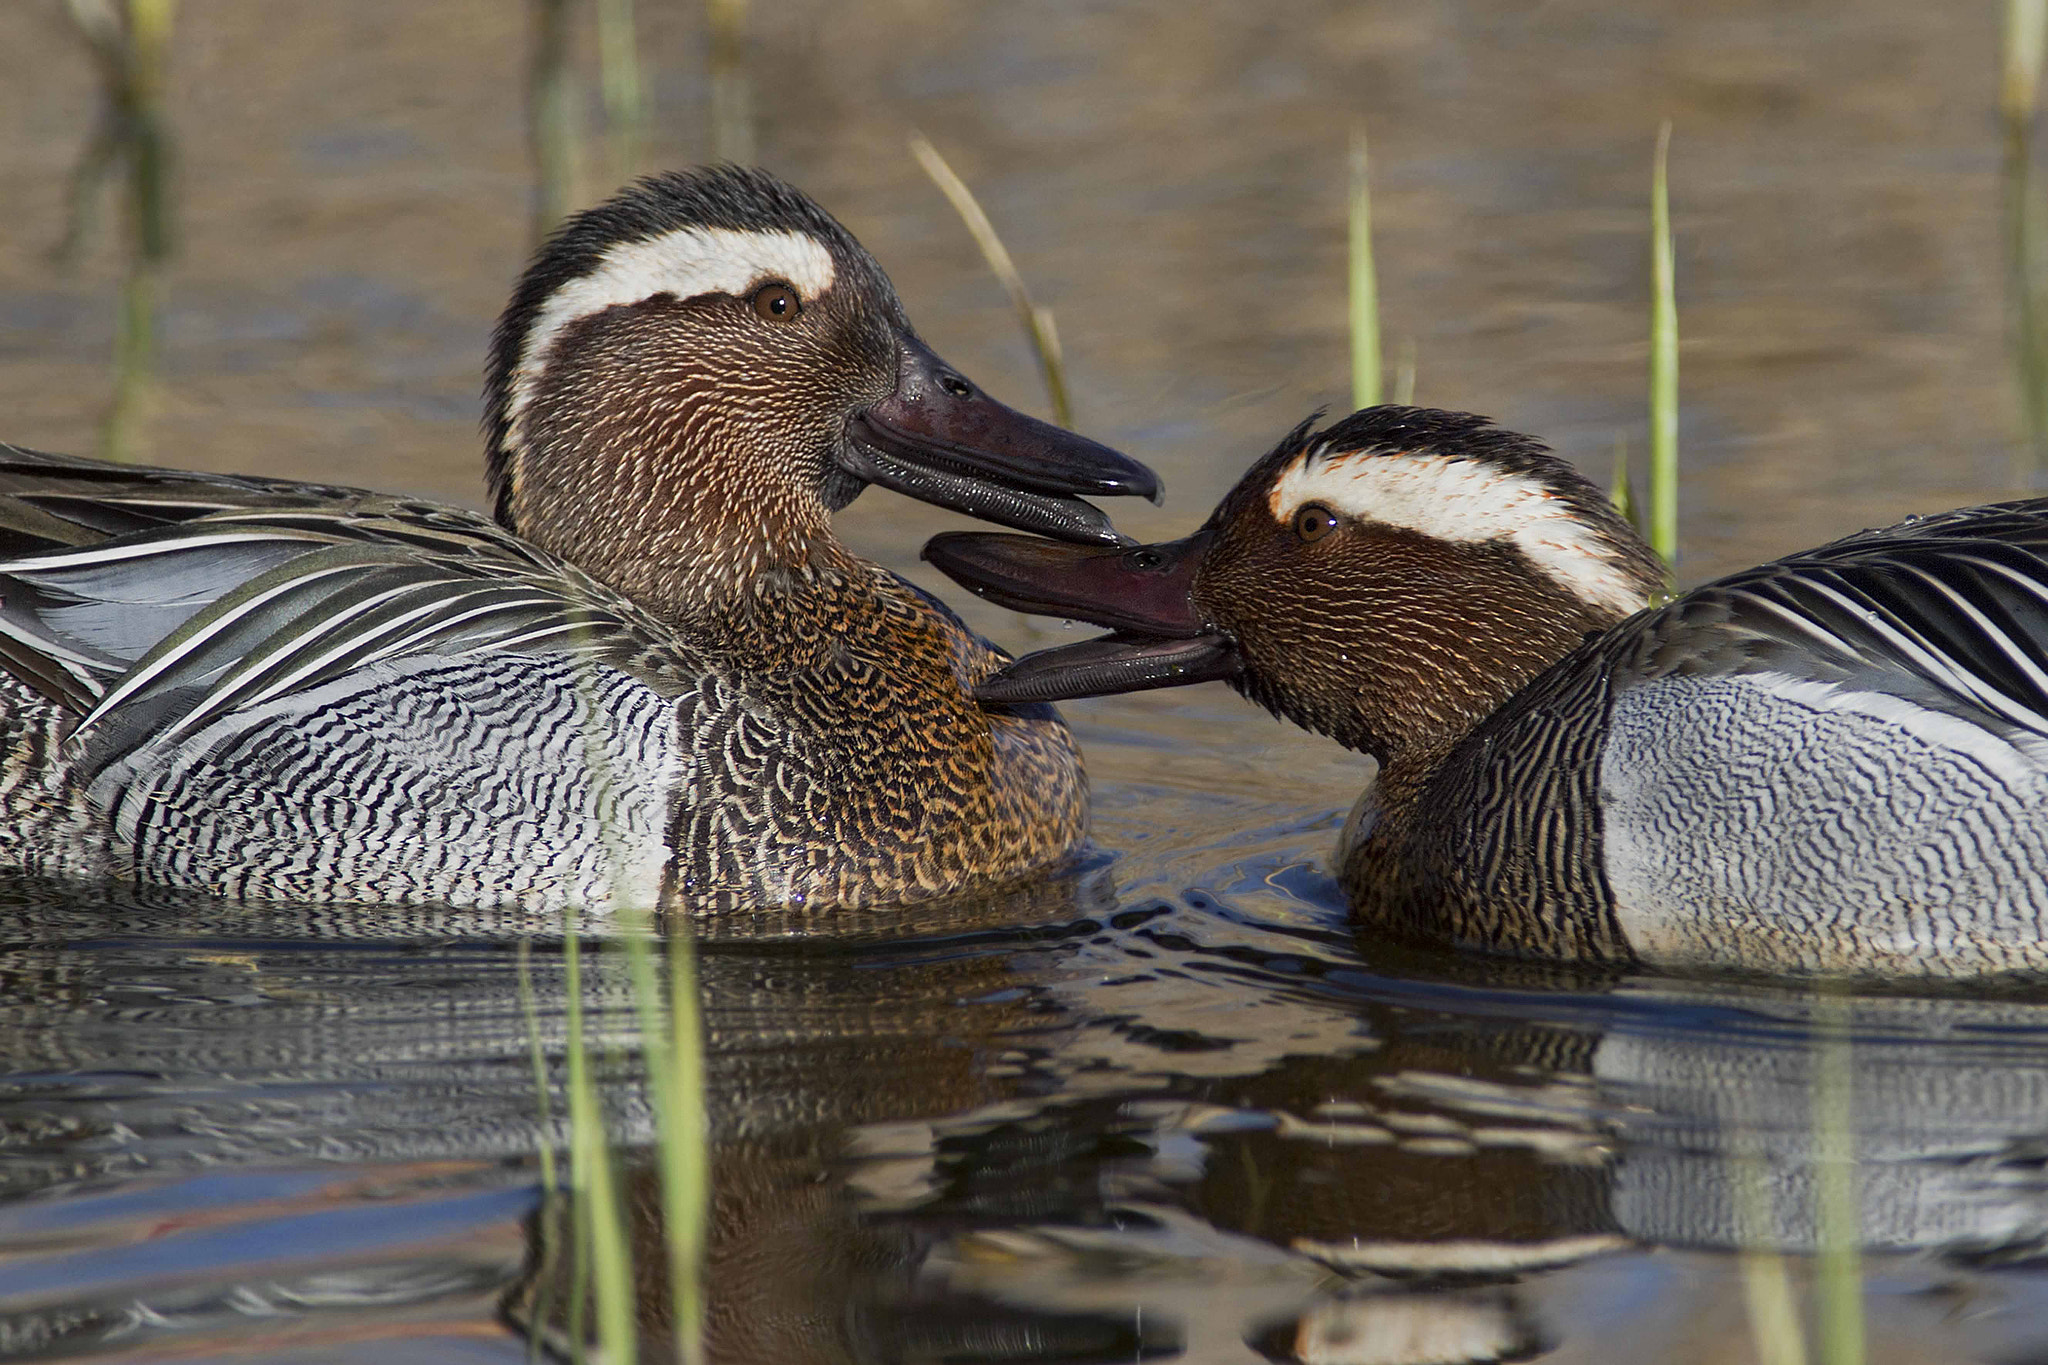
[[1180, 1114]]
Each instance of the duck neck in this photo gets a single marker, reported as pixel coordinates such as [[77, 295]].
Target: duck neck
[[673, 529], [1404, 775], [1415, 711]]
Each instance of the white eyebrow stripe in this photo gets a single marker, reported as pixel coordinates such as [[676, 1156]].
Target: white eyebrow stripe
[[1463, 500], [686, 263]]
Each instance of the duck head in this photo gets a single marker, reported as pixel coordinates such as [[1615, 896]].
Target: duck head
[[692, 376], [1387, 581]]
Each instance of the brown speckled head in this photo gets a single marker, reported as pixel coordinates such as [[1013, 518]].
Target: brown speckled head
[[1387, 581], [1391, 580], [692, 376]]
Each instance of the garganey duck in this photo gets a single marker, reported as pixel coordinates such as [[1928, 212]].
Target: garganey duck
[[657, 675], [1834, 762]]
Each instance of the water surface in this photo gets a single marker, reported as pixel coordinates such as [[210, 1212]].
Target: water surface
[[1165, 1108]]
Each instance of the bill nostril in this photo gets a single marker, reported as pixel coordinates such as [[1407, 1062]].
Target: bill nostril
[[955, 385], [1145, 559]]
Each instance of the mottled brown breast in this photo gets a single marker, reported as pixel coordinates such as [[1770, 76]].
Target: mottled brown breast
[[841, 762]]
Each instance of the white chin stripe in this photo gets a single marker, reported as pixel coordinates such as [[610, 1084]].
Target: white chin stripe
[[1463, 500], [686, 263]]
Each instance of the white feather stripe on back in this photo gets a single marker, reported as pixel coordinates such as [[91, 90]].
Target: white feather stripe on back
[[148, 672], [1468, 501], [686, 263], [1932, 662], [106, 554], [2015, 655]]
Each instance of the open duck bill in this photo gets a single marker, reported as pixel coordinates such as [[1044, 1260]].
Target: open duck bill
[[939, 439], [1145, 595]]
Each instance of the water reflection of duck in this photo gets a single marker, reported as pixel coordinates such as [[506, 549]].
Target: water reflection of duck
[[1474, 1188], [658, 671], [1837, 761], [1166, 1126]]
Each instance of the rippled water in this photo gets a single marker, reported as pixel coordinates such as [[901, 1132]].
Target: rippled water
[[1181, 1115], [1167, 1108]]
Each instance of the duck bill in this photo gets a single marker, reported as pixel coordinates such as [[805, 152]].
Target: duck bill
[[1110, 664], [1145, 595], [941, 440]]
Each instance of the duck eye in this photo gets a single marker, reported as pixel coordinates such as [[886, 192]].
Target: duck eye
[[1314, 521], [776, 302]]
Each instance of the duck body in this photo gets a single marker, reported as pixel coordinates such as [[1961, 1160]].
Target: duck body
[[656, 678], [1833, 763], [324, 694]]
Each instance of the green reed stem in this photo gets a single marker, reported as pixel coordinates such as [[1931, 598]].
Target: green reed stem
[[1036, 321], [2026, 35], [1767, 1286], [543, 1279], [673, 1051], [600, 1216], [732, 94], [1365, 287], [672, 1060], [130, 46], [122, 437], [541, 1088], [551, 117], [149, 151], [625, 93], [1404, 374], [1663, 362], [149, 213], [579, 1276], [1773, 1311], [1840, 1334], [1621, 491], [601, 1212], [2026, 243], [690, 1122]]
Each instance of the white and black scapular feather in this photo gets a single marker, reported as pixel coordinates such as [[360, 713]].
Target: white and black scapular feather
[[1835, 762], [267, 688], [657, 676]]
